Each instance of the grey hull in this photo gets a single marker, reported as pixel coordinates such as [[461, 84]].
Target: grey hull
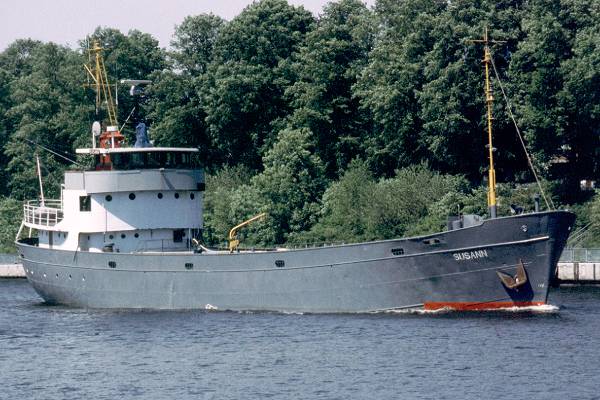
[[457, 269]]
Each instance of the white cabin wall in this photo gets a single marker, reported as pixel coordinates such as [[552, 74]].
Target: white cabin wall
[[126, 241], [146, 211], [60, 239]]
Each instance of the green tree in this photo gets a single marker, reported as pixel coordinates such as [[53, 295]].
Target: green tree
[[10, 217], [221, 199], [46, 109], [536, 80], [580, 96], [390, 82], [291, 184], [194, 42], [16, 61], [244, 87], [345, 215], [415, 201], [326, 67], [174, 105]]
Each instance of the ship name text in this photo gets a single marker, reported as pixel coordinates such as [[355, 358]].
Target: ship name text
[[470, 255]]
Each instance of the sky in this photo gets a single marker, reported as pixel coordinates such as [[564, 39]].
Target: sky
[[67, 21]]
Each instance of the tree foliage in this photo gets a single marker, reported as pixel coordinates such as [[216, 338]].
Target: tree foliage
[[354, 125]]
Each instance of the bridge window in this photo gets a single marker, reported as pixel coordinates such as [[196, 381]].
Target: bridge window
[[153, 160], [85, 203]]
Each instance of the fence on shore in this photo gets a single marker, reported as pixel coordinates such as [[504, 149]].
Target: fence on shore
[[580, 255], [578, 265]]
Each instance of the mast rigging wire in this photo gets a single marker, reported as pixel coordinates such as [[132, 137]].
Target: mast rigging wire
[[529, 160], [53, 152]]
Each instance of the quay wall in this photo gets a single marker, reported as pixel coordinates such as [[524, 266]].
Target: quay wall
[[9, 268]]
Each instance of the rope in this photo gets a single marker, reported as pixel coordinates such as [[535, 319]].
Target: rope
[[530, 162]]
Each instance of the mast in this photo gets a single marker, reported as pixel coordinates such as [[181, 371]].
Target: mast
[[96, 70], [489, 99], [39, 174], [101, 84]]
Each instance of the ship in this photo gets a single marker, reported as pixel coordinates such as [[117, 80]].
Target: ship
[[126, 234]]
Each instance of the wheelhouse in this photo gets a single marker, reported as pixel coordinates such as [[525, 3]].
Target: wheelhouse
[[124, 159]]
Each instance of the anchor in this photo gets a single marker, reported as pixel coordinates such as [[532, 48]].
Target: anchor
[[514, 282]]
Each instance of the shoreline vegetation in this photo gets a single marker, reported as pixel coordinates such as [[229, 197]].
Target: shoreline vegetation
[[358, 124]]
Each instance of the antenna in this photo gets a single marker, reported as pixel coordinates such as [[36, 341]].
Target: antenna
[[487, 60]]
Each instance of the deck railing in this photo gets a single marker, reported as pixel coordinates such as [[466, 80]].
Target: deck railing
[[48, 214]]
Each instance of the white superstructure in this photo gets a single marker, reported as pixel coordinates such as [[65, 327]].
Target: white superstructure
[[134, 200]]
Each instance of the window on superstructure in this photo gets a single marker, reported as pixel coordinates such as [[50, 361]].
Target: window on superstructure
[[85, 203], [153, 160], [178, 235]]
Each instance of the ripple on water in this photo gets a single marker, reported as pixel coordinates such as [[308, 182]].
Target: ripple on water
[[59, 352]]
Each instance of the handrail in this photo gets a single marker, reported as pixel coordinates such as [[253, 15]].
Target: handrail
[[47, 213], [577, 254]]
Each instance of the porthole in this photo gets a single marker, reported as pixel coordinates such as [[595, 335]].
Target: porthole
[[70, 277], [131, 196], [176, 195], [192, 196], [111, 236], [123, 236], [108, 197], [112, 264], [160, 195], [137, 235]]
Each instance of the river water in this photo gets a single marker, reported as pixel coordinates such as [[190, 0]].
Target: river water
[[51, 352]]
